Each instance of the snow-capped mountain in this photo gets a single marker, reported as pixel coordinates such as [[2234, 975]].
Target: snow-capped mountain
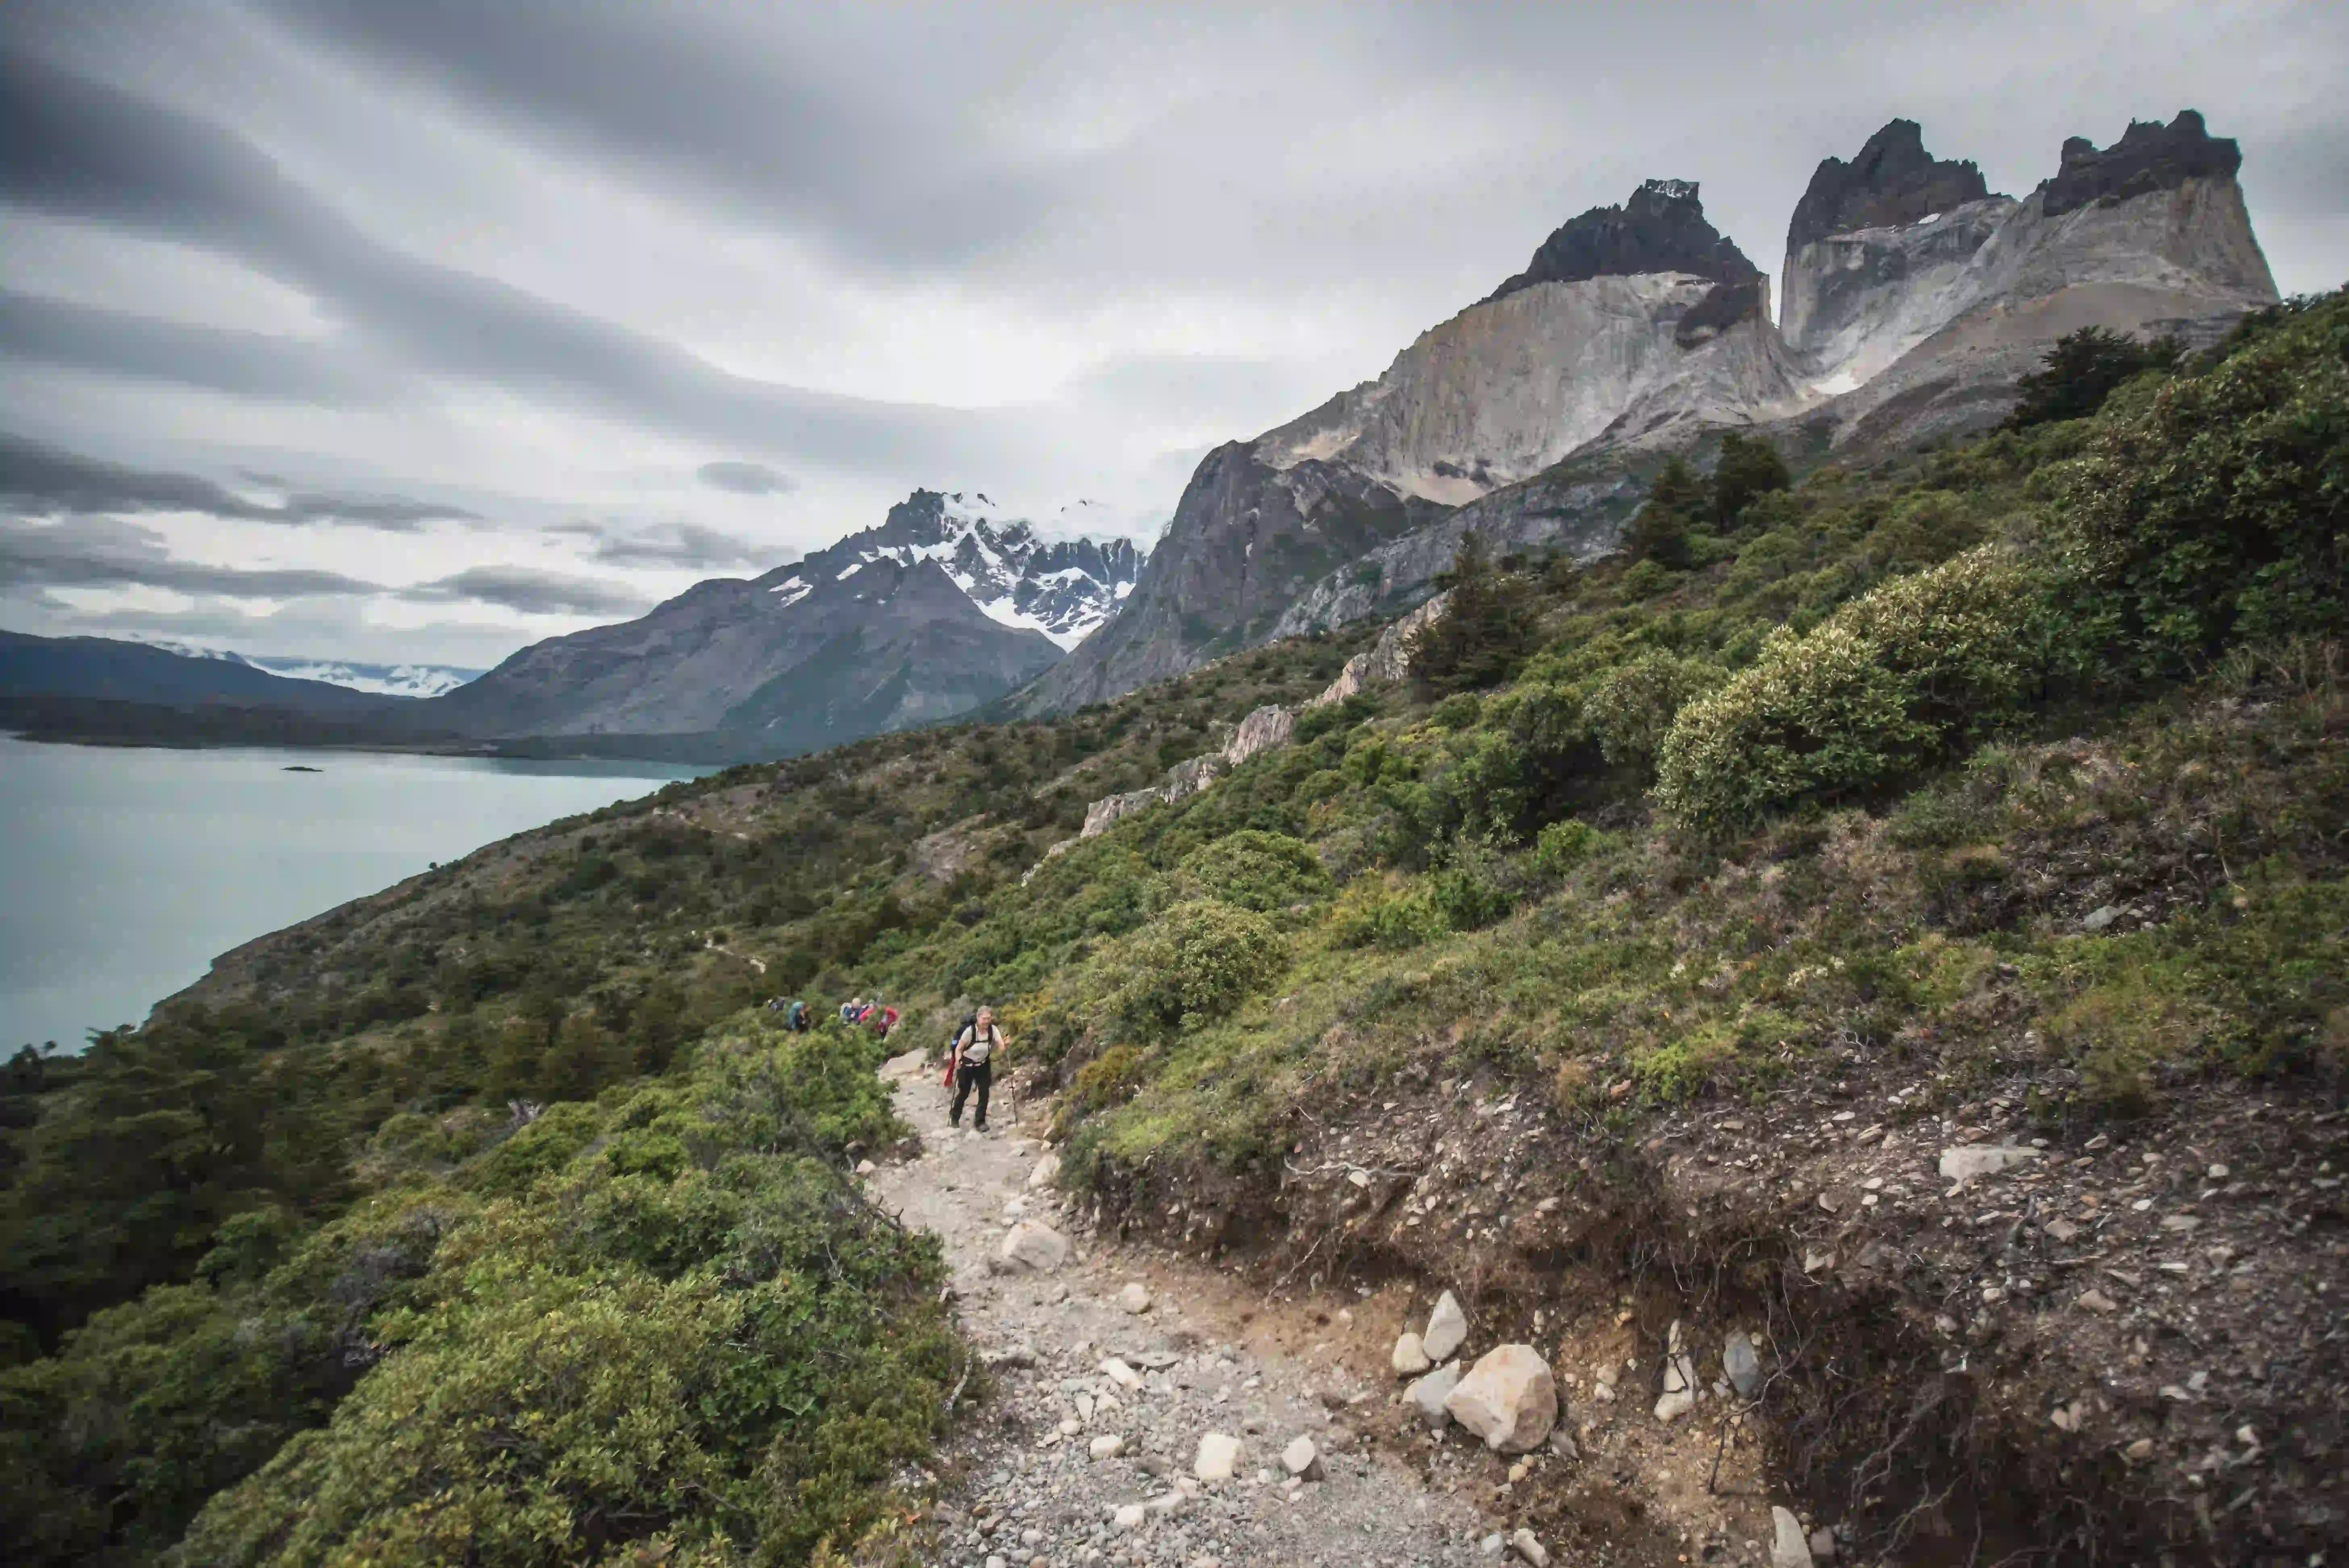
[[382, 680], [946, 606], [1062, 587]]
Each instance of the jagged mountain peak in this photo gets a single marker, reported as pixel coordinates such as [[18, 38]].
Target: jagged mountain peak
[[2149, 156], [1893, 181], [1063, 588], [1662, 229]]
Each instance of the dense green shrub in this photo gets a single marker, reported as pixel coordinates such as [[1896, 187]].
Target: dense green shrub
[[1474, 888], [1372, 915], [1197, 960], [1562, 846], [1631, 707], [1891, 683], [696, 1358], [2219, 509], [1253, 870]]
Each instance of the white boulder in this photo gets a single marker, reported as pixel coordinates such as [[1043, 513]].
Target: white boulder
[[1410, 1357], [1447, 1329], [1301, 1459], [1047, 1171], [1790, 1548], [1218, 1457], [1430, 1392], [1969, 1162], [1033, 1245], [1508, 1398], [1135, 1297]]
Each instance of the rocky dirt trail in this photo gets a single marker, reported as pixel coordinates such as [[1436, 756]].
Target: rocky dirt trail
[[1117, 1374]]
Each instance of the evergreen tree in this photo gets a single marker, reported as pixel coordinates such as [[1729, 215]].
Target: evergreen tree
[[1749, 467], [1659, 532], [1485, 633], [2081, 371]]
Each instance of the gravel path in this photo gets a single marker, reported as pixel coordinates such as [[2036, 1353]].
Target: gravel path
[[1087, 1452]]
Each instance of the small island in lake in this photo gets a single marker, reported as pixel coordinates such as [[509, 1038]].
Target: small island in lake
[[297, 767]]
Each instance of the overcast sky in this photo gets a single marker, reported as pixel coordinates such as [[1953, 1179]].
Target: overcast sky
[[402, 330]]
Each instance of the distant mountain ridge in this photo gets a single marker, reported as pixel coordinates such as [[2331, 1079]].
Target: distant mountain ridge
[[406, 679], [948, 603], [106, 669]]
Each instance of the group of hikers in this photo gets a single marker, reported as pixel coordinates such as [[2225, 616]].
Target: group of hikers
[[970, 1056], [798, 1017]]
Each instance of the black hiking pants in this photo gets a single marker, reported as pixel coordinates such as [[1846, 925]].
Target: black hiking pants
[[979, 1076]]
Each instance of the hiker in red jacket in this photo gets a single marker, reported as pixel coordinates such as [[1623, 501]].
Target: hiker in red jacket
[[973, 1066]]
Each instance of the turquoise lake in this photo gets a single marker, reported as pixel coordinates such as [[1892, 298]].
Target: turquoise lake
[[124, 871]]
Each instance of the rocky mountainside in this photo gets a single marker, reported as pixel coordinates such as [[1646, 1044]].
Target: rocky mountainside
[[944, 606], [1630, 323], [1914, 299]]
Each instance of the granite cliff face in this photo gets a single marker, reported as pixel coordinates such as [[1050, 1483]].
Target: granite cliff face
[[1919, 325], [944, 606], [1630, 323]]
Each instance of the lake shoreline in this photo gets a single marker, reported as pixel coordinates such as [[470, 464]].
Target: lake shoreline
[[131, 869]]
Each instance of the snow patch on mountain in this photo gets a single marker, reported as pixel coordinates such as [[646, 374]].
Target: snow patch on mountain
[[385, 680]]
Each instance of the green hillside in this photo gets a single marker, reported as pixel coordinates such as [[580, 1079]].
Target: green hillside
[[2019, 767]]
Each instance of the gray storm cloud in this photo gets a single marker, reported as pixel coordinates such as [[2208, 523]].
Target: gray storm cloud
[[37, 480], [532, 591], [80, 148], [670, 544], [745, 478]]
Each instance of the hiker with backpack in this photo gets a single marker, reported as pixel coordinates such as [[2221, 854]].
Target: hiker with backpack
[[971, 1065]]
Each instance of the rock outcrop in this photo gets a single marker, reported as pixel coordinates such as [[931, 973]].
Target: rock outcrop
[[2148, 156], [1263, 730], [1386, 661], [1266, 728]]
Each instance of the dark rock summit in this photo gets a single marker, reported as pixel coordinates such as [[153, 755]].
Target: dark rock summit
[[2149, 156], [1662, 229], [1893, 181]]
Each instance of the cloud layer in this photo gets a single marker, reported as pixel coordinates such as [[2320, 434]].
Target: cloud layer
[[360, 308]]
